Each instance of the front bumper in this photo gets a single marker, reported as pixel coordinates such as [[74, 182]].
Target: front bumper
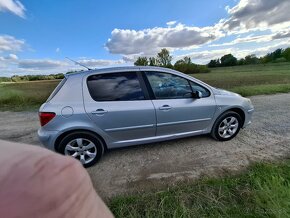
[[248, 117]]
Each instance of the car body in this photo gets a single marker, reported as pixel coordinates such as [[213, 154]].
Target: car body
[[125, 106]]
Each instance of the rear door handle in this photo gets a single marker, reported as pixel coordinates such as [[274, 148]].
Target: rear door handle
[[165, 107], [99, 112]]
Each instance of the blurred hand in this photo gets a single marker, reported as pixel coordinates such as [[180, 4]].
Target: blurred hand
[[35, 182]]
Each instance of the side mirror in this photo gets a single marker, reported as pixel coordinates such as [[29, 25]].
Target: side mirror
[[197, 94]]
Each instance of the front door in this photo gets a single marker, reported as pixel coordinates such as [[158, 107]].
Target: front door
[[176, 110]]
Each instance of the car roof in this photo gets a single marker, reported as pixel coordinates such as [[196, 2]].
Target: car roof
[[114, 69], [82, 74]]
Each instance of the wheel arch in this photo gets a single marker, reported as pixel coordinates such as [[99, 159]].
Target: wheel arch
[[64, 134], [234, 109], [238, 111]]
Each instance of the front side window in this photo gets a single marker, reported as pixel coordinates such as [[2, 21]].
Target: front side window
[[123, 86], [196, 87], [168, 86]]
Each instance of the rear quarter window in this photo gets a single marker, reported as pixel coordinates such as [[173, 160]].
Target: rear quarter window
[[56, 90]]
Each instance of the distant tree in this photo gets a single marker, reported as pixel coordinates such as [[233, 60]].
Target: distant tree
[[241, 61], [214, 63], [266, 59], [141, 61], [272, 56], [277, 54], [186, 66], [5, 79], [251, 59], [152, 61], [15, 78], [286, 54], [163, 58], [187, 60], [228, 60]]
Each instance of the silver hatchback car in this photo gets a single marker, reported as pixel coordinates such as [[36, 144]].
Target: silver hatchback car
[[92, 111]]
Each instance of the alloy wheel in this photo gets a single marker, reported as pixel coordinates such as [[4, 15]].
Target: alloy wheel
[[228, 127], [82, 149]]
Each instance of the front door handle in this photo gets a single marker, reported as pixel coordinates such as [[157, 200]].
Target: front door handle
[[165, 107], [99, 112]]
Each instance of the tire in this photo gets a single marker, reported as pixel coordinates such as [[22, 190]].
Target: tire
[[227, 126], [83, 146]]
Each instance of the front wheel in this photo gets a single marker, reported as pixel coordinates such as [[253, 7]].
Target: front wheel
[[227, 126], [83, 146]]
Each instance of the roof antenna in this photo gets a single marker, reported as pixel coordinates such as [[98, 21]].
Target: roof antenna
[[78, 63]]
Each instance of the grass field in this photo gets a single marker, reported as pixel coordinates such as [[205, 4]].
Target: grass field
[[26, 95], [264, 191], [246, 80], [251, 79]]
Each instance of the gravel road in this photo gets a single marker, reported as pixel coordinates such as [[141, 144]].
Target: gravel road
[[144, 167]]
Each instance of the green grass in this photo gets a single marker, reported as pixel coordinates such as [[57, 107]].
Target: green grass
[[246, 80], [264, 191], [229, 77], [26, 95]]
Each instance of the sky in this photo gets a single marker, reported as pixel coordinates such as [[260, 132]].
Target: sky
[[36, 36]]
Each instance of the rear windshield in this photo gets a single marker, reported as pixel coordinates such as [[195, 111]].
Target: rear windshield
[[55, 91]]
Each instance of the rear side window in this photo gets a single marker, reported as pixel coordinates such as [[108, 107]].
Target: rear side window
[[123, 86], [56, 90]]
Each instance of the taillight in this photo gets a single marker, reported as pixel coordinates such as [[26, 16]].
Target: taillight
[[45, 117]]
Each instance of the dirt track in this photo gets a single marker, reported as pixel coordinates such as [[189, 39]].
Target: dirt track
[[159, 164]]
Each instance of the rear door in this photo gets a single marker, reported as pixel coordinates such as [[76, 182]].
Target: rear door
[[119, 104], [176, 110]]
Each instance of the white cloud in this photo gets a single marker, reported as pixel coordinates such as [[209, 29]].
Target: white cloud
[[100, 62], [281, 35], [227, 8], [263, 50], [40, 64], [12, 65], [10, 57], [203, 57], [171, 23], [150, 41], [10, 44], [257, 14], [256, 39], [247, 15], [13, 6], [13, 57], [9, 60]]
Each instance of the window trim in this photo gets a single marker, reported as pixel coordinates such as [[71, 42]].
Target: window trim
[[150, 89], [143, 89]]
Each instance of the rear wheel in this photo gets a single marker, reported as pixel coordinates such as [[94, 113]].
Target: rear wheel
[[227, 126], [83, 146]]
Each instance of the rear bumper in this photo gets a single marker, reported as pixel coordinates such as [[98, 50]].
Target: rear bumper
[[248, 117], [47, 138]]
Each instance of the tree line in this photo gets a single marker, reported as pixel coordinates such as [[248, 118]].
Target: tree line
[[24, 78], [277, 56], [164, 59]]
